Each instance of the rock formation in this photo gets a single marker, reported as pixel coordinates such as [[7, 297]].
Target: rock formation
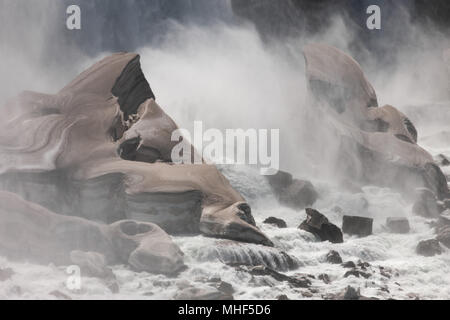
[[375, 145], [318, 224], [29, 232], [359, 226], [101, 149]]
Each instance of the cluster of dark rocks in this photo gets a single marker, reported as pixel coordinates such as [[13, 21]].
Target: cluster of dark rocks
[[319, 225]]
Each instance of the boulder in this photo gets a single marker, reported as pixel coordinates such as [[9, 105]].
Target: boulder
[[398, 225], [293, 193], [101, 148], [222, 286], [359, 226], [318, 224], [349, 265], [349, 293], [443, 235], [334, 257], [426, 204], [325, 278], [364, 137], [429, 248], [32, 233], [280, 223]]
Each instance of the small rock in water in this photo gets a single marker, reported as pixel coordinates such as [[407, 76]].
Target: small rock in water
[[428, 248], [222, 286], [334, 257], [443, 236], [283, 297], [349, 264], [442, 160], [292, 192], [349, 293], [426, 204], [363, 265], [6, 274], [398, 225], [280, 223], [318, 224], [325, 278], [357, 274], [359, 226]]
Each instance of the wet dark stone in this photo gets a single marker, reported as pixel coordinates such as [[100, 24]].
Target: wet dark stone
[[318, 224], [280, 223], [359, 226], [357, 273], [349, 264], [334, 257], [429, 248]]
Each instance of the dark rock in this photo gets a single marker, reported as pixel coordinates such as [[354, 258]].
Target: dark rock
[[334, 257], [359, 226], [357, 273], [443, 160], [276, 221], [225, 287], [349, 293], [318, 224], [300, 282], [325, 278], [293, 193], [299, 194], [426, 204], [283, 297], [280, 180], [349, 264], [363, 265], [443, 235], [307, 294], [6, 274], [398, 225], [385, 272], [429, 248]]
